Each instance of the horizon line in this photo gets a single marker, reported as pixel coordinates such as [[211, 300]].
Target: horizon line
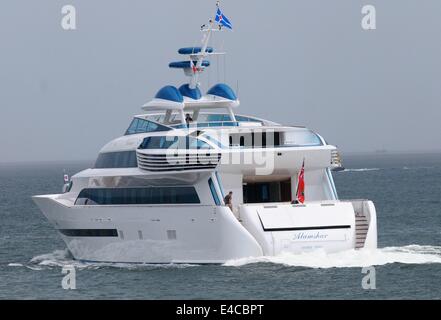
[[344, 153]]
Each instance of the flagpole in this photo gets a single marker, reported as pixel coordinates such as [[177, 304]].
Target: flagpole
[[203, 53], [205, 40], [298, 179], [297, 188]]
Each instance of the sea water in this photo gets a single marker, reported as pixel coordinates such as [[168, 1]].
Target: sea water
[[406, 190]]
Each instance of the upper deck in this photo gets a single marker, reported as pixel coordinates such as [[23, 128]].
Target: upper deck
[[186, 120], [220, 130], [152, 122]]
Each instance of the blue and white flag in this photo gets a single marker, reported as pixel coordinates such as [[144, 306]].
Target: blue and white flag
[[222, 19]]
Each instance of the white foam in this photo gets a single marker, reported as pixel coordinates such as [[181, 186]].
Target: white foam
[[15, 265], [35, 268], [416, 168], [60, 258], [55, 258], [412, 254], [361, 170]]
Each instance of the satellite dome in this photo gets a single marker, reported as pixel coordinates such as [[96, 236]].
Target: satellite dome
[[186, 91], [170, 93], [222, 90]]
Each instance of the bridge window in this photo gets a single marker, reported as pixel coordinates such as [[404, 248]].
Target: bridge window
[[132, 196], [303, 137], [217, 117], [246, 119], [139, 125], [262, 139], [123, 159], [178, 142]]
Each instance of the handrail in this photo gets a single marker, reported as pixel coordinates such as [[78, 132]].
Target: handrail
[[207, 124]]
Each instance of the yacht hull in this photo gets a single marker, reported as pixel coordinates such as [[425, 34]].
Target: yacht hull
[[150, 234], [203, 234]]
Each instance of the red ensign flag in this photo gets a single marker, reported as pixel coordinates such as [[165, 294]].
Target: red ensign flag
[[301, 184]]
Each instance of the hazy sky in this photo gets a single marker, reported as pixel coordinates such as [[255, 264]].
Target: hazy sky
[[64, 94]]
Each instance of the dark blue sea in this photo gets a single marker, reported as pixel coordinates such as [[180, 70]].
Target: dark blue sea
[[406, 190]]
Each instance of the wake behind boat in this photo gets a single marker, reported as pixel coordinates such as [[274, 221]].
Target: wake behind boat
[[157, 194]]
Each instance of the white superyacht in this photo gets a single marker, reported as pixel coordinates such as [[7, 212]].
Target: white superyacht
[[156, 194]]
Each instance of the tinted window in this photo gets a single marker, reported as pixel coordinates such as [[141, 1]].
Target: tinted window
[[141, 126], [123, 159], [255, 139], [213, 192], [181, 142], [218, 117], [220, 184], [150, 195], [89, 232], [303, 137], [246, 119]]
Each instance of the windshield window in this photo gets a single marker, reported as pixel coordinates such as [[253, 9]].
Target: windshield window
[[141, 126], [177, 142]]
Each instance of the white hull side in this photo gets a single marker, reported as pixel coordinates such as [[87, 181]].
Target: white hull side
[[208, 234], [204, 234]]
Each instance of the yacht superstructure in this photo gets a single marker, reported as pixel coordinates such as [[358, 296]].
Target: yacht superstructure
[[156, 194]]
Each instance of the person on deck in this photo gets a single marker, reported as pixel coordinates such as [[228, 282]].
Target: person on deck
[[188, 118], [229, 200]]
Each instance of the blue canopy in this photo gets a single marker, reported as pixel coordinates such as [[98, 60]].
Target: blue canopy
[[170, 93], [186, 64], [186, 91], [192, 50], [222, 90]]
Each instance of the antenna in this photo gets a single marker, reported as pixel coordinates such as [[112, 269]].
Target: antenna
[[237, 87], [225, 69], [196, 55]]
